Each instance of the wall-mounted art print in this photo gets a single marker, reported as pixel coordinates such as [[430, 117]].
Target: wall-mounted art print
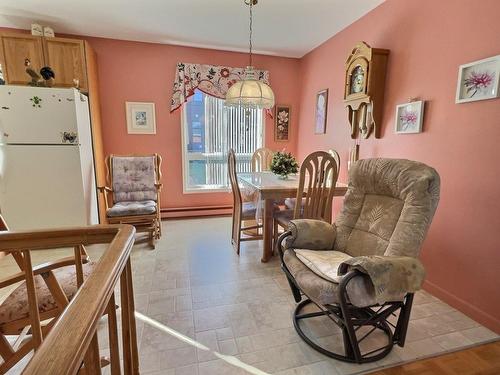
[[409, 117], [321, 112], [479, 80], [140, 118], [282, 119]]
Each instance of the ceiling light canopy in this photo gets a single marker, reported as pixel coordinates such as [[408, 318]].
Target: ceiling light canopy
[[250, 92]]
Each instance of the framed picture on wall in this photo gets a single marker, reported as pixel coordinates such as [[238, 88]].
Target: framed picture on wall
[[140, 118], [478, 80], [409, 117], [282, 123], [321, 112]]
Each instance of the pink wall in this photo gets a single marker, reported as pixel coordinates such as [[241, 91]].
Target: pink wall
[[428, 40], [132, 71]]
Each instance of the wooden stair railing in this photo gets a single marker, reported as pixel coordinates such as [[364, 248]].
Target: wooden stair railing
[[71, 346]]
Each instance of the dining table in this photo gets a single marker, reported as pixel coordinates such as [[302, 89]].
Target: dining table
[[268, 189]]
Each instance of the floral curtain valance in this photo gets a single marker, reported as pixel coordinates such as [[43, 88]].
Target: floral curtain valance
[[211, 79]]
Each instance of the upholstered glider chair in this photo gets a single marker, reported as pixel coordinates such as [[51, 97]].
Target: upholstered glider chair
[[133, 194], [242, 211], [361, 272], [53, 284]]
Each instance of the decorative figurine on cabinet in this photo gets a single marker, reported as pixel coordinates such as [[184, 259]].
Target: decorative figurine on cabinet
[[364, 89]]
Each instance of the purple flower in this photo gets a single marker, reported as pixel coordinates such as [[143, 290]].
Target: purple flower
[[409, 117], [478, 81]]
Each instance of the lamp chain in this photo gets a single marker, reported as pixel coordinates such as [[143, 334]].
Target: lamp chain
[[251, 30]]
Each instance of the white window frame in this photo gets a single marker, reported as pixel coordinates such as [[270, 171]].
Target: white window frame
[[186, 157]]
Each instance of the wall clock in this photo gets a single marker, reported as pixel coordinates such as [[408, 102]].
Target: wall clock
[[365, 70]]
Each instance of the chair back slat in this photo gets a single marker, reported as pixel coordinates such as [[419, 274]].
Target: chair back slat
[[317, 179], [233, 179], [261, 159]]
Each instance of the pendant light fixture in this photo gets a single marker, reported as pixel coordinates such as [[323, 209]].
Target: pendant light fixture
[[250, 92]]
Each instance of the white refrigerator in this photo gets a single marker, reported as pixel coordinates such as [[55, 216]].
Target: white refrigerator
[[47, 177]]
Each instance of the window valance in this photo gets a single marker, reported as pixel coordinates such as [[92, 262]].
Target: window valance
[[213, 80]]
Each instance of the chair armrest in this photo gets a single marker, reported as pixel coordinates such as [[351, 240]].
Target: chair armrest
[[310, 234], [41, 269], [104, 189], [392, 276]]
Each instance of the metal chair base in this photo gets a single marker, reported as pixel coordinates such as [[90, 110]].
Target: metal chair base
[[348, 356]]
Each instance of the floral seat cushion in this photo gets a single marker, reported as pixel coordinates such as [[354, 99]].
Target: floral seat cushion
[[130, 208], [290, 202], [16, 307]]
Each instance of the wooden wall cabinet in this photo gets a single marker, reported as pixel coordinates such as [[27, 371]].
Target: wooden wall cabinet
[[65, 56], [15, 50]]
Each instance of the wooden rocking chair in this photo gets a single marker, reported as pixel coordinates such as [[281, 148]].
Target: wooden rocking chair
[[49, 286]]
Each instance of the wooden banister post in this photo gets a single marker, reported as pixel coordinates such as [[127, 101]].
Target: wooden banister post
[[32, 301], [132, 323], [113, 337]]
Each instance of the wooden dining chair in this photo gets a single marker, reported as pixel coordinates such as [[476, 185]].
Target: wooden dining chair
[[290, 202], [242, 211], [261, 159], [39, 295], [317, 178]]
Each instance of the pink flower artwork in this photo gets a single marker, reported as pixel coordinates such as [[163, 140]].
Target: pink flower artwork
[[478, 81], [408, 119]]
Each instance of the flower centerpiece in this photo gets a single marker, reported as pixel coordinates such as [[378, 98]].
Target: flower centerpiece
[[283, 164]]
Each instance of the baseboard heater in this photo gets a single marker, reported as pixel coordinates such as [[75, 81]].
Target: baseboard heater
[[177, 212]]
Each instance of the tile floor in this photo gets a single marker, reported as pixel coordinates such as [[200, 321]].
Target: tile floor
[[202, 310]]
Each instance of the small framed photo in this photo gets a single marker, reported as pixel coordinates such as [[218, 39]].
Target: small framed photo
[[282, 123], [409, 117], [479, 80], [321, 112], [140, 118]]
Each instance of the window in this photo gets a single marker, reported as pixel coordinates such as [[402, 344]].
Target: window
[[209, 130]]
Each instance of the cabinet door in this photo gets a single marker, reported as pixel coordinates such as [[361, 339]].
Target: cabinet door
[[15, 50], [66, 57]]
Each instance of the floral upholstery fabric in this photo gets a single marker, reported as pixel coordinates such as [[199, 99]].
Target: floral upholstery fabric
[[132, 208], [16, 307], [290, 202], [391, 276], [248, 211], [134, 178], [372, 221], [310, 234], [387, 211], [211, 79]]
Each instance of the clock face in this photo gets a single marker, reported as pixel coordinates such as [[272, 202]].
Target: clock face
[[357, 80]]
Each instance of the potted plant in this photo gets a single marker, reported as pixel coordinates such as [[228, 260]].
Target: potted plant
[[283, 164]]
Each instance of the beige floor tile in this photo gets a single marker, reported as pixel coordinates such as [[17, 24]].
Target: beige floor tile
[[452, 340], [480, 334], [175, 358], [228, 347], [224, 333], [209, 340]]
